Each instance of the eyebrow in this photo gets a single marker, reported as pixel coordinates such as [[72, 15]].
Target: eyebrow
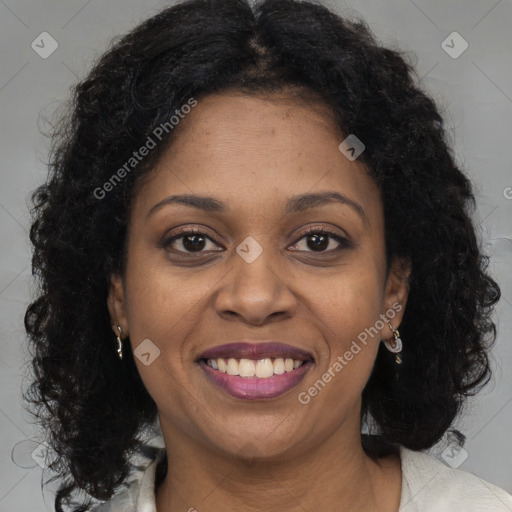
[[295, 204]]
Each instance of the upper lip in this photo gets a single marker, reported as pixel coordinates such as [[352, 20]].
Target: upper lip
[[256, 350]]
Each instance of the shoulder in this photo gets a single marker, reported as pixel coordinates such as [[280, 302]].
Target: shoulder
[[138, 494], [429, 485]]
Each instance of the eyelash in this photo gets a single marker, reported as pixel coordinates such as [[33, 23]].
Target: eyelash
[[344, 242]]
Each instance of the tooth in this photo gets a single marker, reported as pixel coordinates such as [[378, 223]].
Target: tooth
[[279, 366], [264, 368], [246, 368], [232, 366], [223, 367]]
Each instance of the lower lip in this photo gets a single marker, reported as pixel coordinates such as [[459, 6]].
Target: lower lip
[[253, 388]]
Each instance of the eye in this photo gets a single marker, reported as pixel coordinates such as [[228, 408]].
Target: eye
[[189, 242], [194, 241], [321, 239]]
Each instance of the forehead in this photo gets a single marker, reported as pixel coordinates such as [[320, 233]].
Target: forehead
[[246, 149], [273, 124]]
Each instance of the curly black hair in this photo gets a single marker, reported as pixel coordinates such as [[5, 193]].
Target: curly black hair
[[93, 406]]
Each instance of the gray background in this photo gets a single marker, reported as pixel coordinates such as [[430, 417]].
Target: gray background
[[473, 90]]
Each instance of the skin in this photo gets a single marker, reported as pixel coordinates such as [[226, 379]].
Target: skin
[[253, 153]]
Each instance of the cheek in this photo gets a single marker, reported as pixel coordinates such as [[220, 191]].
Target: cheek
[[161, 303], [351, 302], [350, 305], [156, 316], [349, 319], [162, 308]]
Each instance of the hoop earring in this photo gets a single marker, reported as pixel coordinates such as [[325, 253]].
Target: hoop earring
[[119, 343], [395, 345]]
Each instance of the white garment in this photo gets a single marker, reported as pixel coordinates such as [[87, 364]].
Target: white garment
[[428, 485]]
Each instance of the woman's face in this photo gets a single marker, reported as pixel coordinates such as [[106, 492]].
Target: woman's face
[[253, 274]]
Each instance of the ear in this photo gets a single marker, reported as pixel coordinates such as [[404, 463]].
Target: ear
[[117, 305], [396, 294]]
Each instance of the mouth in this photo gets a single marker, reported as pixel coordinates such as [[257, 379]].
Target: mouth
[[255, 371]]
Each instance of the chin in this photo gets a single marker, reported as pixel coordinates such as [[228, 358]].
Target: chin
[[267, 442]]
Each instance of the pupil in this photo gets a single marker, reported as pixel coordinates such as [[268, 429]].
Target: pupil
[[324, 242], [196, 242], [189, 245]]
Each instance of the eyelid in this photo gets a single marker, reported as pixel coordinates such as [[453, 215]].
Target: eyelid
[[167, 240], [343, 240], [321, 229]]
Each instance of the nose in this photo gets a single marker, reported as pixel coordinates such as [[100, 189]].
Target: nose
[[255, 293]]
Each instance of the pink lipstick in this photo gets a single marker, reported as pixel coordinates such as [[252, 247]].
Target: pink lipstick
[[255, 370]]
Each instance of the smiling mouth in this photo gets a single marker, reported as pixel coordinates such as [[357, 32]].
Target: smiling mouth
[[255, 371], [255, 379], [257, 368]]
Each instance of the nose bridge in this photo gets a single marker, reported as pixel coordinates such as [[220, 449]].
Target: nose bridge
[[255, 288], [256, 270]]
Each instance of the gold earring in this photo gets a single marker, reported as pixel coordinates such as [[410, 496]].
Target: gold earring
[[395, 345], [119, 343]]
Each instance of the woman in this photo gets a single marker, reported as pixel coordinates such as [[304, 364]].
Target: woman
[[243, 204]]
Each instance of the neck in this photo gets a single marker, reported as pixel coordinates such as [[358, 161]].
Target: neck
[[334, 475]]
